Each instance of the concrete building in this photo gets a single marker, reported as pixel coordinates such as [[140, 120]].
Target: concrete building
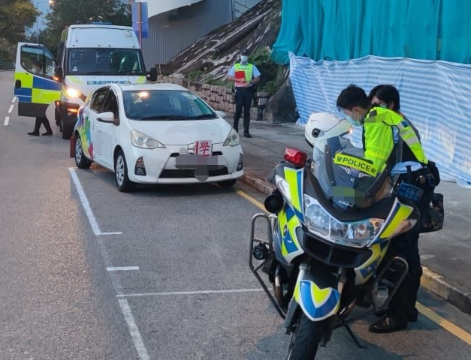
[[176, 24]]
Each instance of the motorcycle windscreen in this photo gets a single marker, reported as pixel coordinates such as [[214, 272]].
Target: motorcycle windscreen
[[347, 179]]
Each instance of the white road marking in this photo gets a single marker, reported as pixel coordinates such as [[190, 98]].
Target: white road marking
[[122, 268], [201, 292], [133, 330], [11, 109], [14, 98], [85, 203], [123, 303], [87, 208], [7, 120]]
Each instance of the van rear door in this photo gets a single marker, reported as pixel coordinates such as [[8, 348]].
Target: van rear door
[[35, 87]]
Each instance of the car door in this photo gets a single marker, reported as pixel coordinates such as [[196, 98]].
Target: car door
[[96, 106], [35, 89], [107, 130]]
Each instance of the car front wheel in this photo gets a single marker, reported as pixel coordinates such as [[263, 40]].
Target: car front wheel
[[80, 160], [227, 184], [121, 173]]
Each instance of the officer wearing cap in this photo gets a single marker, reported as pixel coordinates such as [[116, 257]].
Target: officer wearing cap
[[244, 75]]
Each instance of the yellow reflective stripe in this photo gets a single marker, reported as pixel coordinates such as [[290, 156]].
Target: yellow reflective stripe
[[25, 78], [41, 96], [319, 295], [292, 179], [355, 163], [283, 222], [297, 292], [402, 213]]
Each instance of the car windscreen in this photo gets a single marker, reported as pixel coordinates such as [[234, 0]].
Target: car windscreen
[[155, 105], [117, 62]]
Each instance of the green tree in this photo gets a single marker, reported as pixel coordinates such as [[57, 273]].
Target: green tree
[[15, 15]]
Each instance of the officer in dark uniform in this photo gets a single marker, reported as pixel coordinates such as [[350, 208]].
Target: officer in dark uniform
[[245, 75], [383, 129]]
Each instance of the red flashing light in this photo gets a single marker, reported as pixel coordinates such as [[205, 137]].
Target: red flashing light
[[295, 156]]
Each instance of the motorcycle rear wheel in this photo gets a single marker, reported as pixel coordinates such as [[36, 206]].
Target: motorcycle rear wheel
[[305, 339]]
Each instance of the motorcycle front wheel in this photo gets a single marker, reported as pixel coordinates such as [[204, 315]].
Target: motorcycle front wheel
[[305, 339]]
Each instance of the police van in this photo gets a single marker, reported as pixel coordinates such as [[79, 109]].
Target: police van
[[88, 56]]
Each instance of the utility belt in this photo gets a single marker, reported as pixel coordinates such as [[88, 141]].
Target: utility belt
[[250, 88], [419, 186]]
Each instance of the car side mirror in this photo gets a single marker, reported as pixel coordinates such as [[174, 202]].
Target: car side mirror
[[58, 73], [221, 114], [106, 117], [152, 74]]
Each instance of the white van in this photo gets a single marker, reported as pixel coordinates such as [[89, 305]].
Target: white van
[[88, 56]]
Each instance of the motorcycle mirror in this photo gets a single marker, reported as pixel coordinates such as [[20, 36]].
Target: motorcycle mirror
[[274, 203], [295, 156]]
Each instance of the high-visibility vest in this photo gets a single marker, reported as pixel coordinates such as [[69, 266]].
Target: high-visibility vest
[[243, 72], [378, 136]]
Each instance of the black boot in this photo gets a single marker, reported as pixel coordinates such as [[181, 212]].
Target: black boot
[[388, 324], [37, 125], [46, 124], [412, 315]]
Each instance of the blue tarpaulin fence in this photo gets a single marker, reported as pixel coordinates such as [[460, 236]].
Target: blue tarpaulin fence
[[351, 29], [435, 96]]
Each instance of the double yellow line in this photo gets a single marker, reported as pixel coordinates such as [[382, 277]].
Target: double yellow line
[[428, 313]]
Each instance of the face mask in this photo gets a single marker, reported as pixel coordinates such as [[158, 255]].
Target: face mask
[[384, 106], [244, 58], [351, 121]]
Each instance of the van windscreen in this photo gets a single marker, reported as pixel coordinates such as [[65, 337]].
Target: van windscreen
[[91, 61]]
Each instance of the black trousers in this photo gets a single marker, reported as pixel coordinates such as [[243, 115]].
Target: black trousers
[[243, 100], [406, 246], [44, 121]]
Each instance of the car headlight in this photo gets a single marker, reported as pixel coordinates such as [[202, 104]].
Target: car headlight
[[143, 141], [356, 234], [232, 139]]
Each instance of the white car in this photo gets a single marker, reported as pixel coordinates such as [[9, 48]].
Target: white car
[[156, 134]]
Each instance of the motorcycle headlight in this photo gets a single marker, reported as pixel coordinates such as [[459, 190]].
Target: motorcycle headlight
[[356, 234], [143, 141], [232, 139]]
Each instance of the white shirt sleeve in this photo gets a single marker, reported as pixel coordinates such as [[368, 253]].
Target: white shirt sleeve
[[256, 73], [231, 71]]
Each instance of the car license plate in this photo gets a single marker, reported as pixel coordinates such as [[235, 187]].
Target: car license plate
[[203, 147]]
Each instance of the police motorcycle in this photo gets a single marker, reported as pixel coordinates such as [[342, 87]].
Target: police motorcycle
[[332, 219]]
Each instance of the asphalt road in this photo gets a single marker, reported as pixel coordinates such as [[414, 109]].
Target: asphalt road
[[87, 272]]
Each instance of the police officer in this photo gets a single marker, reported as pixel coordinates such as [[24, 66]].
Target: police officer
[[382, 130], [387, 96], [245, 75]]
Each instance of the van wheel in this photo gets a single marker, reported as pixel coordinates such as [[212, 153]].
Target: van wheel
[[57, 117], [80, 160], [121, 173]]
